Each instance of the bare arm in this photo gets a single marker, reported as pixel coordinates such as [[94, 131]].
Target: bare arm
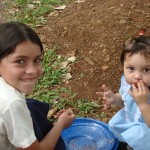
[[145, 110], [50, 140], [118, 100]]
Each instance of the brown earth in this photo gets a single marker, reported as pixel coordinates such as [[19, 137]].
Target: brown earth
[[94, 31]]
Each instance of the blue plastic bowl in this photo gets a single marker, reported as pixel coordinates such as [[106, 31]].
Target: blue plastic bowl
[[89, 134]]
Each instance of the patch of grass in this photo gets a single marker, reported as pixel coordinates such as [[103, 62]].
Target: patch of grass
[[49, 87], [45, 88], [34, 12], [86, 107]]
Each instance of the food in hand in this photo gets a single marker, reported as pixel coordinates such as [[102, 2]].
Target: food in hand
[[136, 85], [52, 112], [69, 110]]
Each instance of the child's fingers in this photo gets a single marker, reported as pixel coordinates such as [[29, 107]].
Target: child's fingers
[[100, 93], [69, 111], [143, 85], [107, 95], [106, 104], [130, 92], [105, 107], [140, 86], [134, 87], [105, 88], [59, 113]]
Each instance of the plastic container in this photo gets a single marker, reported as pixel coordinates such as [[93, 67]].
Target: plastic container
[[89, 134]]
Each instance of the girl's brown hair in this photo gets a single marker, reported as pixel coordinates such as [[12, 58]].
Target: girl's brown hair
[[14, 33], [140, 44]]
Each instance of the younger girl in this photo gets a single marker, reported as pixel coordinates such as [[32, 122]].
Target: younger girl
[[131, 124], [21, 53]]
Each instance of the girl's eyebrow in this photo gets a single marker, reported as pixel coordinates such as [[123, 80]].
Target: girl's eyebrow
[[41, 55], [22, 56], [148, 66]]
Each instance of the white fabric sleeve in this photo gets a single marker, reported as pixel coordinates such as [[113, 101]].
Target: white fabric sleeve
[[18, 124]]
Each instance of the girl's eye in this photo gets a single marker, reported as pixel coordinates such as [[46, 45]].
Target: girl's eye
[[20, 61], [39, 60], [146, 69], [130, 68]]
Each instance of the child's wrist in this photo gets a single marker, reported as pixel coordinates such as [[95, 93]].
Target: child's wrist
[[144, 106], [60, 125]]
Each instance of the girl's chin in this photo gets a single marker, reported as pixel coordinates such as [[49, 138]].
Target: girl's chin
[[26, 90]]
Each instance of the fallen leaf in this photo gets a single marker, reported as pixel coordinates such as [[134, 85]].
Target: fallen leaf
[[52, 112], [60, 7]]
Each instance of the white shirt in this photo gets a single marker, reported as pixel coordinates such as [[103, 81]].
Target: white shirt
[[16, 127]]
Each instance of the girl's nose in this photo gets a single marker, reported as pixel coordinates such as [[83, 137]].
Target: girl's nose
[[31, 69], [138, 76]]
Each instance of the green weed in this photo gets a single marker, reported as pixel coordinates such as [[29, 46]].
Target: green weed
[[34, 12], [45, 88], [86, 107]]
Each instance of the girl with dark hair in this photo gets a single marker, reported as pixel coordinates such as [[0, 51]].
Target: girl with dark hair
[[131, 125], [23, 122]]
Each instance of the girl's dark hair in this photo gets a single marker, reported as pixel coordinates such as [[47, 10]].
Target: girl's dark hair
[[14, 33], [140, 44]]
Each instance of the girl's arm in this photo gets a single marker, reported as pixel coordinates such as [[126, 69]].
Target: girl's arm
[[145, 110], [118, 100], [50, 140]]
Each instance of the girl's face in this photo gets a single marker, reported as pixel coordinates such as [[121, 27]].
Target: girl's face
[[23, 67], [136, 68]]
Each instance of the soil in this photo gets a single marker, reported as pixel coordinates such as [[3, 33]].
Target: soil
[[94, 31]]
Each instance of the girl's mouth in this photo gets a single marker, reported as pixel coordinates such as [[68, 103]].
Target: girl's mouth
[[136, 85], [29, 80]]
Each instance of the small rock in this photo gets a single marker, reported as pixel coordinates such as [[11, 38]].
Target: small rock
[[31, 6], [90, 52], [61, 7], [69, 69], [106, 59], [95, 44], [79, 1], [71, 59], [89, 61], [123, 21], [67, 76], [104, 68], [64, 64]]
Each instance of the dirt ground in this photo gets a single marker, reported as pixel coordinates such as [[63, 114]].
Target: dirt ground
[[94, 31]]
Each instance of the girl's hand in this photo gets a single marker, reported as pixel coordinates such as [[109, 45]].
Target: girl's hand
[[59, 113], [66, 118], [107, 96], [69, 110], [140, 93]]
